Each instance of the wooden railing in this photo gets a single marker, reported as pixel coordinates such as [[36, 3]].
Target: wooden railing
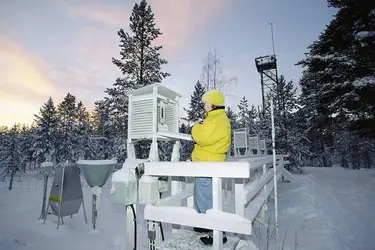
[[249, 194]]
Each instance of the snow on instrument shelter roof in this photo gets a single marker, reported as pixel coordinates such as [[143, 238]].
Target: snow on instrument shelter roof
[[162, 90]]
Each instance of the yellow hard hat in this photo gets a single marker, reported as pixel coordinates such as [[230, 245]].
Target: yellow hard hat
[[214, 97]]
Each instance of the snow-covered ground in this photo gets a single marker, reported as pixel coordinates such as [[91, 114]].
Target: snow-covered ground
[[329, 209]]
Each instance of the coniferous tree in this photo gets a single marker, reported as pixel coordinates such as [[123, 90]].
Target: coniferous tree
[[101, 119], [102, 146], [247, 117], [184, 128], [81, 149], [343, 66], [232, 116], [290, 125], [31, 135], [317, 119], [338, 84], [196, 111], [140, 59], [165, 150], [67, 111], [46, 134], [285, 104], [25, 141], [186, 146], [140, 64], [3, 137], [253, 124], [300, 147], [243, 113], [11, 154]]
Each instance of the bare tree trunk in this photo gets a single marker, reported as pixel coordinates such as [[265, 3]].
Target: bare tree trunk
[[11, 178]]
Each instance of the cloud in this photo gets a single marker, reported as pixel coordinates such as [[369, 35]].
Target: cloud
[[3, 25], [16, 113], [109, 14], [181, 20], [24, 83], [93, 71], [27, 81], [84, 66], [178, 20]]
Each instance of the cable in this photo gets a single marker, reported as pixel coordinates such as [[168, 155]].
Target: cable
[[162, 232], [161, 226], [135, 226]]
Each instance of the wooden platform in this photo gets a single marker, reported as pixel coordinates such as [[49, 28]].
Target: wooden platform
[[187, 239]]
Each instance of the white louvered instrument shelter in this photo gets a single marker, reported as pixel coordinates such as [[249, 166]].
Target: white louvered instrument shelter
[[247, 145], [240, 138], [240, 141], [254, 142], [153, 108]]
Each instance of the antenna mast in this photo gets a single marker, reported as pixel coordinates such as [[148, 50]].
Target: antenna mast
[[273, 40]]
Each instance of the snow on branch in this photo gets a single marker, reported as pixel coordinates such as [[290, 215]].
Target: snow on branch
[[364, 82], [342, 59]]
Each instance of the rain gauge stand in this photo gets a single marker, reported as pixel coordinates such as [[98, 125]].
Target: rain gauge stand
[[45, 171], [96, 173], [66, 195]]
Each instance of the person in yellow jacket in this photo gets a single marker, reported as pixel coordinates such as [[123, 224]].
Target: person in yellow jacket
[[212, 139]]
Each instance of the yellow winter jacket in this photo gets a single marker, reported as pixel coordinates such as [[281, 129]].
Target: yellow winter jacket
[[212, 138]]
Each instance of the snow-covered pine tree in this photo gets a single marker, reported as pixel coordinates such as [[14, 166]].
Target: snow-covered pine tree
[[140, 64], [253, 125], [102, 128], [4, 142], [25, 146], [3, 137], [31, 141], [84, 129], [232, 116], [186, 146], [140, 58], [285, 100], [316, 117], [290, 126], [195, 110], [247, 117], [185, 129], [165, 150], [11, 153], [101, 119], [243, 113], [67, 112], [300, 147], [46, 134], [342, 70], [352, 150]]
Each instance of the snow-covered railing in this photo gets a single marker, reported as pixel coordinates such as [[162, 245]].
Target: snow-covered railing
[[249, 194], [215, 219], [255, 193]]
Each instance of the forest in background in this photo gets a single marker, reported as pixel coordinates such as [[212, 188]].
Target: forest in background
[[331, 122]]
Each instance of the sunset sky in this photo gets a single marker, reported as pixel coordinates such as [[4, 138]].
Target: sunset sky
[[51, 47]]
